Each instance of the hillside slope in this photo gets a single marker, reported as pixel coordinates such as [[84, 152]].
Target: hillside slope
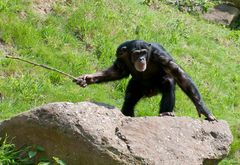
[[81, 37]]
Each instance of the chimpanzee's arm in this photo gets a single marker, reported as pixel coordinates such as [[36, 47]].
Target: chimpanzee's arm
[[184, 81], [117, 71]]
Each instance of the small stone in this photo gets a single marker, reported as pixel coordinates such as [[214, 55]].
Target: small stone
[[223, 14], [235, 3]]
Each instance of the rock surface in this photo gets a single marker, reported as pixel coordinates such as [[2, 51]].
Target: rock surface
[[223, 14], [235, 3], [90, 133]]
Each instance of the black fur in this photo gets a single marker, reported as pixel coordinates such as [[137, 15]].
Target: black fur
[[161, 76]]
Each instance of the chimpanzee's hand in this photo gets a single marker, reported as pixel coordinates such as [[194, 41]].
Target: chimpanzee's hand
[[210, 117], [206, 113], [84, 80]]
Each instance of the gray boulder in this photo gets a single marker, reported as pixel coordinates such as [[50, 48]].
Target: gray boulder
[[223, 14], [235, 3], [90, 133]]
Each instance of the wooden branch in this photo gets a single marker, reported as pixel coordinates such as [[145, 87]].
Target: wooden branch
[[43, 66]]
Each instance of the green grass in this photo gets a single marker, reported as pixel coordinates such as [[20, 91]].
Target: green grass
[[81, 37], [9, 155]]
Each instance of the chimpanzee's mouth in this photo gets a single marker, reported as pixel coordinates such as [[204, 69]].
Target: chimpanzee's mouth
[[140, 67]]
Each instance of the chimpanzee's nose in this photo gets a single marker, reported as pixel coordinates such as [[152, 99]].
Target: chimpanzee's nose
[[141, 59]]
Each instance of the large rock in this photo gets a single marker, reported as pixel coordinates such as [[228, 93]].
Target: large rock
[[89, 133], [223, 14]]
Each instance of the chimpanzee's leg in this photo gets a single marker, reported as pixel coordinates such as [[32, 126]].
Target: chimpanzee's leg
[[168, 96], [133, 94]]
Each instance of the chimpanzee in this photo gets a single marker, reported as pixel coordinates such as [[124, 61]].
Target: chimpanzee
[[153, 71]]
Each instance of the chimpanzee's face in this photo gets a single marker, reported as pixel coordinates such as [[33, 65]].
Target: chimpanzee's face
[[139, 59]]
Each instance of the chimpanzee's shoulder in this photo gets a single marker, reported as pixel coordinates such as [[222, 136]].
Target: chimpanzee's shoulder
[[157, 46]]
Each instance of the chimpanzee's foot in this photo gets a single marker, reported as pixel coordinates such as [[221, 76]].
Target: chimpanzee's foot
[[167, 114]]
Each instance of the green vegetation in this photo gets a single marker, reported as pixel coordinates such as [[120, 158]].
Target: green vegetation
[[190, 6], [9, 155], [81, 36]]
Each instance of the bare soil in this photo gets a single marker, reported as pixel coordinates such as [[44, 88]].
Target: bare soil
[[43, 7]]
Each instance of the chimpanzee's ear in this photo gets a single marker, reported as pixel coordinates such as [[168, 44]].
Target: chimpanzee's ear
[[149, 45]]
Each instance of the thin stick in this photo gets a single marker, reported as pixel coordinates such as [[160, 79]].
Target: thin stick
[[43, 66]]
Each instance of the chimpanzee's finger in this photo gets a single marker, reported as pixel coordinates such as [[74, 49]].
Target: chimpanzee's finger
[[75, 80], [199, 114]]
